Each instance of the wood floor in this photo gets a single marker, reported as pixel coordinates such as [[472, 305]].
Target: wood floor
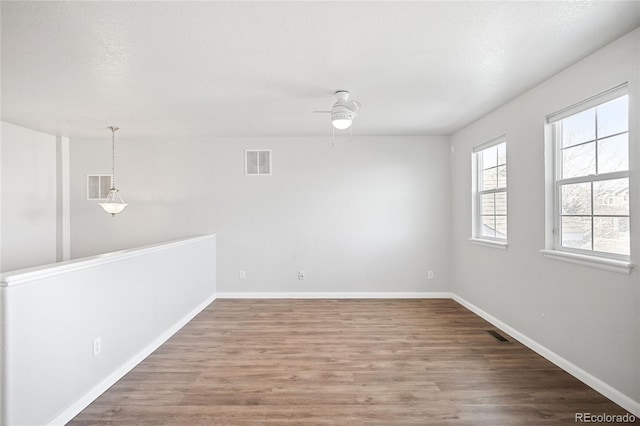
[[343, 362]]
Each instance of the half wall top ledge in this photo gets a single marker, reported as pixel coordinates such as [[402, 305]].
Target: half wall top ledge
[[24, 276]]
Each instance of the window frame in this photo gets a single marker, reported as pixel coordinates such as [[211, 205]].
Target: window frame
[[477, 193], [554, 247]]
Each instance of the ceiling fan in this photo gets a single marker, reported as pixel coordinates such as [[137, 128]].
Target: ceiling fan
[[343, 111]]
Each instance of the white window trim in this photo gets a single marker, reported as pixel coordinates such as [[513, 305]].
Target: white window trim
[[553, 250], [608, 264], [498, 244], [476, 238]]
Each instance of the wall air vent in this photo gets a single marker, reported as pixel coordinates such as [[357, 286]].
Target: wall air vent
[[499, 337], [98, 186], [257, 162]]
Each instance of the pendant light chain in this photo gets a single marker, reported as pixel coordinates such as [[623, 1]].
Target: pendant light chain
[[114, 203], [113, 156]]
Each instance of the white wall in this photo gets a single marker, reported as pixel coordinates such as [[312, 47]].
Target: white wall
[[370, 215], [591, 316], [28, 191], [50, 316]]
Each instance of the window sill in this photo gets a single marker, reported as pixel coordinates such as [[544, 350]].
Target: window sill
[[489, 243], [612, 265]]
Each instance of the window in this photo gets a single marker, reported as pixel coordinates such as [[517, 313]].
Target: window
[[98, 186], [257, 162], [591, 176], [490, 190]]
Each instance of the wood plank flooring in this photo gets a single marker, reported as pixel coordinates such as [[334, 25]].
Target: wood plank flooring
[[374, 361]]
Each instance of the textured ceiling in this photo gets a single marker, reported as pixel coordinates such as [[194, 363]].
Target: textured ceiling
[[261, 68]]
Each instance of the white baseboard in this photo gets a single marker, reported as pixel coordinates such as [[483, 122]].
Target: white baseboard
[[613, 394], [110, 380], [337, 295]]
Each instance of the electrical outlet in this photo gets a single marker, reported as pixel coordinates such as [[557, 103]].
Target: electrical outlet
[[301, 275], [243, 275], [430, 275], [97, 346]]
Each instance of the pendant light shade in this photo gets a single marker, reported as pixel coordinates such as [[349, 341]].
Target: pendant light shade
[[114, 203]]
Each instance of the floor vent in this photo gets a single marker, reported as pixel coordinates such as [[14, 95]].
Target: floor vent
[[499, 337]]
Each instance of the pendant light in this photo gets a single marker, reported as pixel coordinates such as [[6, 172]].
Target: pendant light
[[114, 203]]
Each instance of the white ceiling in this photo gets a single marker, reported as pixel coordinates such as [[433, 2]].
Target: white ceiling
[[261, 68]]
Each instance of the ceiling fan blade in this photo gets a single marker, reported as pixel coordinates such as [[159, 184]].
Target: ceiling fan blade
[[353, 105], [323, 112]]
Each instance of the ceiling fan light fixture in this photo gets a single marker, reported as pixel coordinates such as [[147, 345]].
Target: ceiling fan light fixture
[[341, 121], [341, 115], [343, 111]]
